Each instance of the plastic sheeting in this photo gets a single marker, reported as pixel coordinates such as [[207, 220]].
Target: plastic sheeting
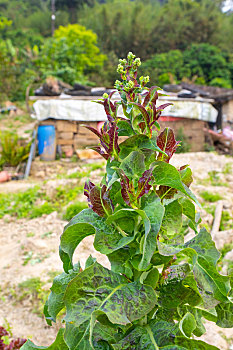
[[86, 110]]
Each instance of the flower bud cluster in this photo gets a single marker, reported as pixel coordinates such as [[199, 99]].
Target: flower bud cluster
[[123, 62], [120, 69], [144, 80], [130, 58], [118, 84], [136, 63], [129, 86], [105, 95]]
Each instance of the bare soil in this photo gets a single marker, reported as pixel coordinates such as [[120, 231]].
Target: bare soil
[[29, 248]]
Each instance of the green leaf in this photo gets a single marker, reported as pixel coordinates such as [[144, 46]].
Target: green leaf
[[105, 332], [137, 142], [133, 144], [186, 175], [110, 171], [119, 261], [212, 286], [77, 229], [192, 344], [210, 314], [55, 300], [125, 215], [133, 164], [158, 259], [188, 209], [172, 220], [154, 211], [107, 238], [59, 344], [151, 278], [90, 260], [125, 128], [153, 336], [178, 291], [167, 175], [98, 289], [187, 325], [77, 337], [125, 218], [225, 315], [198, 314], [202, 244]]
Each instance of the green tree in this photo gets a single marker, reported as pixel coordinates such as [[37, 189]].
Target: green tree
[[182, 22], [165, 67], [206, 61], [202, 63], [122, 25], [70, 53], [16, 71], [4, 22]]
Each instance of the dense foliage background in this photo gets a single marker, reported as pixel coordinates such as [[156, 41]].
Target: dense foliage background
[[176, 39]]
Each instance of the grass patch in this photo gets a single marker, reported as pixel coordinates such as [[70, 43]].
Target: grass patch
[[74, 209], [225, 223], [19, 204], [66, 194], [32, 290], [214, 179], [210, 197], [24, 204], [96, 166], [210, 209], [46, 208], [27, 203], [227, 169]]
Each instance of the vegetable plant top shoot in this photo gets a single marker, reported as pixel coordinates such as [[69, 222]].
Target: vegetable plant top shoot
[[159, 288]]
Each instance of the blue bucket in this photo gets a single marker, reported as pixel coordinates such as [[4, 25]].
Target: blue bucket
[[46, 142]]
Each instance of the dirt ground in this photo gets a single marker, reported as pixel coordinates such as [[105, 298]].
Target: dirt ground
[[29, 248]]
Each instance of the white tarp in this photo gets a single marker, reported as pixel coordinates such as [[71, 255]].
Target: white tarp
[[86, 110]]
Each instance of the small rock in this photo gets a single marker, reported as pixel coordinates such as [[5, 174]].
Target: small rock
[[226, 205], [40, 173]]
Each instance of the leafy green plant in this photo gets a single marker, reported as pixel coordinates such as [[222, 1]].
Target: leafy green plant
[[13, 152], [210, 197], [159, 288]]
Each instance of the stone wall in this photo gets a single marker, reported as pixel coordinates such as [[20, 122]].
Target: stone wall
[[193, 129]]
